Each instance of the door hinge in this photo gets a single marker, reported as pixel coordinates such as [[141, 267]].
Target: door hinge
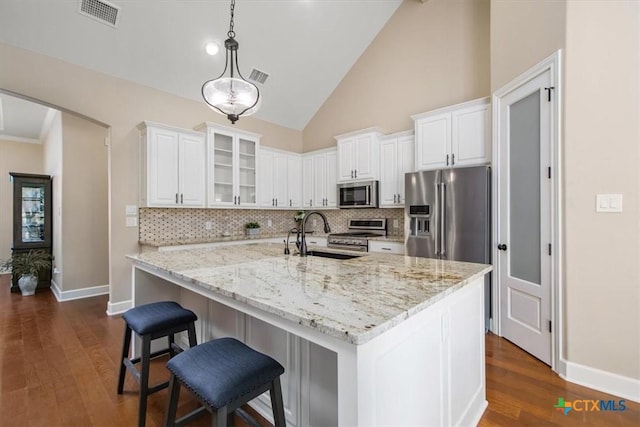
[[549, 248], [549, 326], [549, 89], [549, 172]]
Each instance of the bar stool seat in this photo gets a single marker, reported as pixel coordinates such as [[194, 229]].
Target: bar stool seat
[[149, 322], [224, 374]]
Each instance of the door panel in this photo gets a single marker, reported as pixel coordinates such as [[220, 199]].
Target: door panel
[[525, 217], [421, 189]]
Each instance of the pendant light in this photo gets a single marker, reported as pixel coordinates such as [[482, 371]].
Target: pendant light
[[231, 96]]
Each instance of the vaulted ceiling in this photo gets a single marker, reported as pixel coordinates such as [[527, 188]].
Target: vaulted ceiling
[[305, 46]]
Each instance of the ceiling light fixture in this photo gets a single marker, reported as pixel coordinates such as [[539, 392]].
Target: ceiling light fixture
[[231, 96]]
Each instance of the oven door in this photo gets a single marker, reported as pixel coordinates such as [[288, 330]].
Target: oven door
[[358, 195]]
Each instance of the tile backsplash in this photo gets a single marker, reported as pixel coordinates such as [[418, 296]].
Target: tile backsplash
[[176, 226]]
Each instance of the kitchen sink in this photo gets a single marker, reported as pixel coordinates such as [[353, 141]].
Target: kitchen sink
[[333, 255]]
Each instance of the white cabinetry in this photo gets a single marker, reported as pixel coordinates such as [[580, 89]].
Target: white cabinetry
[[358, 155], [454, 136], [280, 183], [396, 158], [319, 179], [386, 247], [231, 171], [173, 166]]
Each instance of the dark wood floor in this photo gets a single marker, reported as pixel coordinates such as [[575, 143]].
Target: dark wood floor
[[59, 361]]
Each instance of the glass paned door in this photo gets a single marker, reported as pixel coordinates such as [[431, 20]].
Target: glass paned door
[[33, 213]]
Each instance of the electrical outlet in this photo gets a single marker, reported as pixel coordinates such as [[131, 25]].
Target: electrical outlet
[[269, 223], [131, 210], [395, 223], [208, 225], [132, 221], [608, 202]]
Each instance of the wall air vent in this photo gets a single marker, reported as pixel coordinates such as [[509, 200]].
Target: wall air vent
[[101, 11], [258, 76]]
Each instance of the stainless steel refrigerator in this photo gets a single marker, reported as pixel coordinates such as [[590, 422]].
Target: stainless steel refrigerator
[[448, 216]]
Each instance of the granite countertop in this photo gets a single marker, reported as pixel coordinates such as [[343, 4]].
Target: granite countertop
[[354, 300]]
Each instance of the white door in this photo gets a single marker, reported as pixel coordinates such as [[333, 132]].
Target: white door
[[389, 172], [280, 190], [524, 212], [192, 170], [163, 168], [346, 148], [294, 181], [331, 179], [364, 157], [265, 183], [308, 181], [319, 180], [433, 142]]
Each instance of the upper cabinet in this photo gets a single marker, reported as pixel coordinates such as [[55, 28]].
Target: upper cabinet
[[232, 163], [454, 136], [319, 179], [396, 159], [358, 155], [280, 183], [173, 166]]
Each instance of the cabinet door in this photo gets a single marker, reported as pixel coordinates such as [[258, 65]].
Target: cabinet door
[[245, 172], [266, 196], [220, 170], [192, 170], [433, 142], [471, 143], [319, 180], [294, 181], [280, 180], [365, 157], [389, 172], [331, 184], [308, 180], [346, 149], [406, 153], [163, 170]]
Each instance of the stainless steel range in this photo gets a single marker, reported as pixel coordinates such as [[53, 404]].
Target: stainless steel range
[[357, 239]]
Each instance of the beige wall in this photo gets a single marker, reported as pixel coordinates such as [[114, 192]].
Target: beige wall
[[85, 236], [428, 55], [522, 34], [14, 157], [122, 105], [53, 166], [602, 149]]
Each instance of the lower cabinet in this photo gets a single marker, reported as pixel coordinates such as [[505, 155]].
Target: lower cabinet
[[386, 247]]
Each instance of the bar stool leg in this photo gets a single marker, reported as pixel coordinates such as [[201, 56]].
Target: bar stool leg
[[145, 361], [192, 335], [174, 396], [125, 355], [277, 405], [220, 419]]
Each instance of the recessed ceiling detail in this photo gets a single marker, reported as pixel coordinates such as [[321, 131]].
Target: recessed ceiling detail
[[102, 11], [258, 76]]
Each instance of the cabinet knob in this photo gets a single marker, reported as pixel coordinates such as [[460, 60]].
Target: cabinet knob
[[502, 247]]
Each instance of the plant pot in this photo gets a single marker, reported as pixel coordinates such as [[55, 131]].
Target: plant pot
[[253, 231], [28, 284]]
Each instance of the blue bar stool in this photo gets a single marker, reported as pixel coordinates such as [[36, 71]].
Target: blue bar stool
[[149, 322], [223, 374]]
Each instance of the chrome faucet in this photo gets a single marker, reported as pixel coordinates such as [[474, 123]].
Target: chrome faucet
[[303, 242]]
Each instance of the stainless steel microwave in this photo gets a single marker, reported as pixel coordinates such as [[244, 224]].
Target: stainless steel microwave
[[362, 194]]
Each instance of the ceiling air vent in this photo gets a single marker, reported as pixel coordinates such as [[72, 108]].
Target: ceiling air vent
[[258, 76], [101, 11]]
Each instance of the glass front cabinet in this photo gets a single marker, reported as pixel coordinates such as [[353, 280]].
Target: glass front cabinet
[[32, 218]]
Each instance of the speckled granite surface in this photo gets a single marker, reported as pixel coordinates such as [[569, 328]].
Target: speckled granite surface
[[354, 300]]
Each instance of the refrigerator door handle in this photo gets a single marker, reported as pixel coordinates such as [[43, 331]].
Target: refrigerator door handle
[[443, 213], [436, 231]]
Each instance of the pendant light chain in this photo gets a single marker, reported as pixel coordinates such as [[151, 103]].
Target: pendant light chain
[[231, 33]]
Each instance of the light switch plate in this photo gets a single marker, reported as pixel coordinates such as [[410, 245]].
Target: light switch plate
[[608, 202], [132, 221], [131, 210]]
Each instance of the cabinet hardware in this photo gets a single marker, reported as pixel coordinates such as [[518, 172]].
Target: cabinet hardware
[[549, 172], [352, 174], [549, 89], [395, 196], [238, 199], [386, 249], [235, 200], [549, 325], [273, 202], [276, 203], [549, 248], [502, 247], [181, 198], [355, 173], [290, 203], [453, 159], [310, 202], [447, 160], [176, 198]]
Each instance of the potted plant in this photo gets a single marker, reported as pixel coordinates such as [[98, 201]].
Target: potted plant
[[26, 266], [252, 228]]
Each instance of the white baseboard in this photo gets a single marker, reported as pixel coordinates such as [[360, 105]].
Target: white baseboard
[[77, 293], [114, 309], [597, 379]]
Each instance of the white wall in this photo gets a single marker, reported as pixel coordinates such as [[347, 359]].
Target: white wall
[[53, 165]]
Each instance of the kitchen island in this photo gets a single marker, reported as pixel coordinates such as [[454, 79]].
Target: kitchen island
[[373, 340]]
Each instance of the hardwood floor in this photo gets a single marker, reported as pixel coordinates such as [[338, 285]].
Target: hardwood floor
[[59, 362]]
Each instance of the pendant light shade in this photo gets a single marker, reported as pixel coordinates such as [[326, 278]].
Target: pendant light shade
[[232, 96]]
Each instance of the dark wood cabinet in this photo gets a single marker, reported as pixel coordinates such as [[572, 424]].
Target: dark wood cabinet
[[32, 219]]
